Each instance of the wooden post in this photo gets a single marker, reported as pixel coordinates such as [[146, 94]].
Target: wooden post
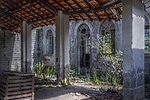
[[6, 93], [33, 77]]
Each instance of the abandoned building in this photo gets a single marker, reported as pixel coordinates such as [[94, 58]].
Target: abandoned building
[[61, 32]]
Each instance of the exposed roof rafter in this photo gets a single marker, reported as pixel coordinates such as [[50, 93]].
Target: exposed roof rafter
[[107, 14], [104, 6], [117, 13], [27, 2], [52, 9], [82, 9], [43, 12], [4, 13]]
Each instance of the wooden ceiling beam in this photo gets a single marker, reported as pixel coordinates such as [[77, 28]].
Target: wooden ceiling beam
[[81, 17], [118, 13], [8, 15], [7, 10], [47, 5], [36, 13], [71, 8], [107, 15], [73, 17], [68, 4], [87, 4], [46, 9], [82, 9], [29, 12], [1, 24], [4, 25], [50, 22], [77, 4], [89, 17], [63, 8], [102, 7], [18, 7], [22, 5], [97, 16], [98, 2], [6, 4], [89, 8], [61, 5], [41, 19]]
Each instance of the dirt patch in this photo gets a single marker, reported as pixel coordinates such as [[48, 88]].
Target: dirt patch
[[81, 90]]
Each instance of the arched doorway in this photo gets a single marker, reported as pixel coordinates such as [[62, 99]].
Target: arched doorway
[[83, 46]]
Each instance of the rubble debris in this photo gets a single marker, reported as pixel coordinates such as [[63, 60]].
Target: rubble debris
[[78, 94]]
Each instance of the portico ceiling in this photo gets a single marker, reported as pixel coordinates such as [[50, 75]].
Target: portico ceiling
[[42, 12]]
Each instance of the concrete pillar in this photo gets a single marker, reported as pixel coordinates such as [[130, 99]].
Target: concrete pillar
[[26, 47], [62, 46], [133, 50]]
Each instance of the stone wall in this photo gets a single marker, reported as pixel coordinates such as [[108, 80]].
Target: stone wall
[[10, 53], [95, 32], [37, 46], [49, 60]]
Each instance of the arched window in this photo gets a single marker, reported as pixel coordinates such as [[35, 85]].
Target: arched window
[[49, 42], [147, 36], [84, 46], [108, 36]]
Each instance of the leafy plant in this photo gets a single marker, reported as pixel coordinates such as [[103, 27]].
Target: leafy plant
[[110, 64], [96, 80], [62, 82], [71, 71], [44, 72]]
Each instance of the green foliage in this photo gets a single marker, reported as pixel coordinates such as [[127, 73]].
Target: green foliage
[[71, 71], [39, 29], [88, 77], [82, 72], [110, 64], [95, 78], [44, 72], [62, 82]]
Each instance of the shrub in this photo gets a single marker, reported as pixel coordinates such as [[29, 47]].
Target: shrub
[[109, 64]]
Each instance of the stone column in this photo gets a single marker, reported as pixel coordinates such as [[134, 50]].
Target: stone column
[[62, 46], [26, 47], [133, 50]]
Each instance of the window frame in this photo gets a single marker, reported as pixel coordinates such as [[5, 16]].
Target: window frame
[[50, 44], [112, 33]]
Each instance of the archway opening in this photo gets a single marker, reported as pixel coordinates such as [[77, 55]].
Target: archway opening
[[83, 46]]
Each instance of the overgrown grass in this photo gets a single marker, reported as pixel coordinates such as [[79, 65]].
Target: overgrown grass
[[44, 72]]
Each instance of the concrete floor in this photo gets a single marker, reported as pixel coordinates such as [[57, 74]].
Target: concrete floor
[[79, 91]]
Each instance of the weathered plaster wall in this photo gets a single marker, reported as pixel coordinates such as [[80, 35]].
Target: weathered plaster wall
[[37, 46], [10, 53], [49, 60]]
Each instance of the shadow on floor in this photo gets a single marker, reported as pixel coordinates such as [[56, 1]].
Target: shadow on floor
[[64, 93]]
